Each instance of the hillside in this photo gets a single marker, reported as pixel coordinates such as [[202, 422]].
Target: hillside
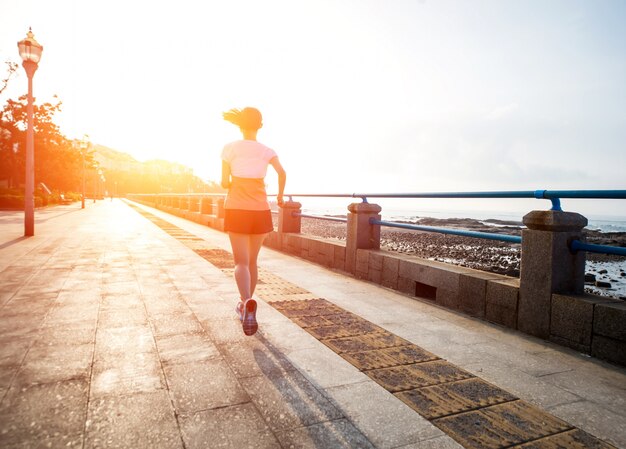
[[125, 174]]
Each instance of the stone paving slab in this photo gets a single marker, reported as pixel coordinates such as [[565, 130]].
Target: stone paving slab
[[521, 355], [132, 341], [161, 360]]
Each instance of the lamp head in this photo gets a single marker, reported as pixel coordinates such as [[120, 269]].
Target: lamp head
[[30, 50]]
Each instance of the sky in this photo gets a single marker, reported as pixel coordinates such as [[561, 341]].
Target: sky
[[357, 95]]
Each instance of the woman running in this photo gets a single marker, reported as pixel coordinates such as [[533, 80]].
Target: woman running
[[247, 218]]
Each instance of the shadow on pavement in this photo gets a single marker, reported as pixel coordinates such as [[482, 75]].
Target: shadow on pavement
[[12, 242]]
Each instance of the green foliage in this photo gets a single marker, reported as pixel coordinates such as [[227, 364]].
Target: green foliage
[[56, 161], [14, 198]]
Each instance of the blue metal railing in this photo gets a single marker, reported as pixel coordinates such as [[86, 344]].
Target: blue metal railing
[[577, 245], [320, 217], [554, 196], [461, 232]]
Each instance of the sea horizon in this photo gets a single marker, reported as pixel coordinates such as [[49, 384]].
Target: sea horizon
[[596, 222]]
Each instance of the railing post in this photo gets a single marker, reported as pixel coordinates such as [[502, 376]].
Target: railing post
[[361, 234], [548, 266], [287, 222], [206, 205], [220, 208]]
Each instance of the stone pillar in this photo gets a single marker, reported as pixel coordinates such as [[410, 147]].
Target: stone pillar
[[206, 206], [548, 266], [286, 220], [361, 234], [220, 208]]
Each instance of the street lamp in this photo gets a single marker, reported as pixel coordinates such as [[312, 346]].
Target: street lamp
[[84, 147], [97, 175], [30, 52]]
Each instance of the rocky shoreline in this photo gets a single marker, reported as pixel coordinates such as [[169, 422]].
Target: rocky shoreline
[[606, 274]]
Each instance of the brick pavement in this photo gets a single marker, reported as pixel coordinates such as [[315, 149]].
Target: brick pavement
[[114, 333]]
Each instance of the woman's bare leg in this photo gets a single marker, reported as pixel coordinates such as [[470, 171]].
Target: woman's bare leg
[[246, 249], [255, 243], [241, 255]]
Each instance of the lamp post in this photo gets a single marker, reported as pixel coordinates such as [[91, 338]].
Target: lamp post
[[84, 147], [96, 176], [30, 52]]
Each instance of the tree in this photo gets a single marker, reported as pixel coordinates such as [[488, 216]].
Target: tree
[[11, 68], [57, 163]]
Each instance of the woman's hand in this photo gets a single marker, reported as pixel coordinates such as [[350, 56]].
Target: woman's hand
[[282, 179]]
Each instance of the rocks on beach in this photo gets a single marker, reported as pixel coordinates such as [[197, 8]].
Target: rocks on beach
[[606, 274]]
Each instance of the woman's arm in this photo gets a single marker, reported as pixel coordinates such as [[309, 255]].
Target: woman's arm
[[282, 179], [225, 174]]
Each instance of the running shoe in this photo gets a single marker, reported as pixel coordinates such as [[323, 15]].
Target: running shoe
[[249, 323]]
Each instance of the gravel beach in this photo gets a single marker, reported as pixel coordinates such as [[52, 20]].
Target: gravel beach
[[606, 274]]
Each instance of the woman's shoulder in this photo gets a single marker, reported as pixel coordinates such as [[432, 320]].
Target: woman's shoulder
[[266, 149], [250, 145], [235, 143]]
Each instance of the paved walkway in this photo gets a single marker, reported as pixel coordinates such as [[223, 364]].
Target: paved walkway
[[114, 333]]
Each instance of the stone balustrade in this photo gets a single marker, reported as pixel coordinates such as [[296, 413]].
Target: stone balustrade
[[547, 301]]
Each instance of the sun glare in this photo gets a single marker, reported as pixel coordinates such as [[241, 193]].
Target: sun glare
[[356, 96]]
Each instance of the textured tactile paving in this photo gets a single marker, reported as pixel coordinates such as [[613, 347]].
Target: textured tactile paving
[[501, 426], [572, 439], [454, 397], [408, 354], [342, 330], [367, 342], [269, 278], [408, 377], [218, 257], [346, 318], [398, 378], [285, 289], [312, 307], [272, 297], [440, 371], [311, 321], [368, 360], [473, 412]]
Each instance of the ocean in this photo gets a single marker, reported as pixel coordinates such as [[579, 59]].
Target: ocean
[[610, 271], [338, 206]]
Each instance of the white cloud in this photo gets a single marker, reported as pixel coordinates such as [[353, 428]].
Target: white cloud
[[502, 111]]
